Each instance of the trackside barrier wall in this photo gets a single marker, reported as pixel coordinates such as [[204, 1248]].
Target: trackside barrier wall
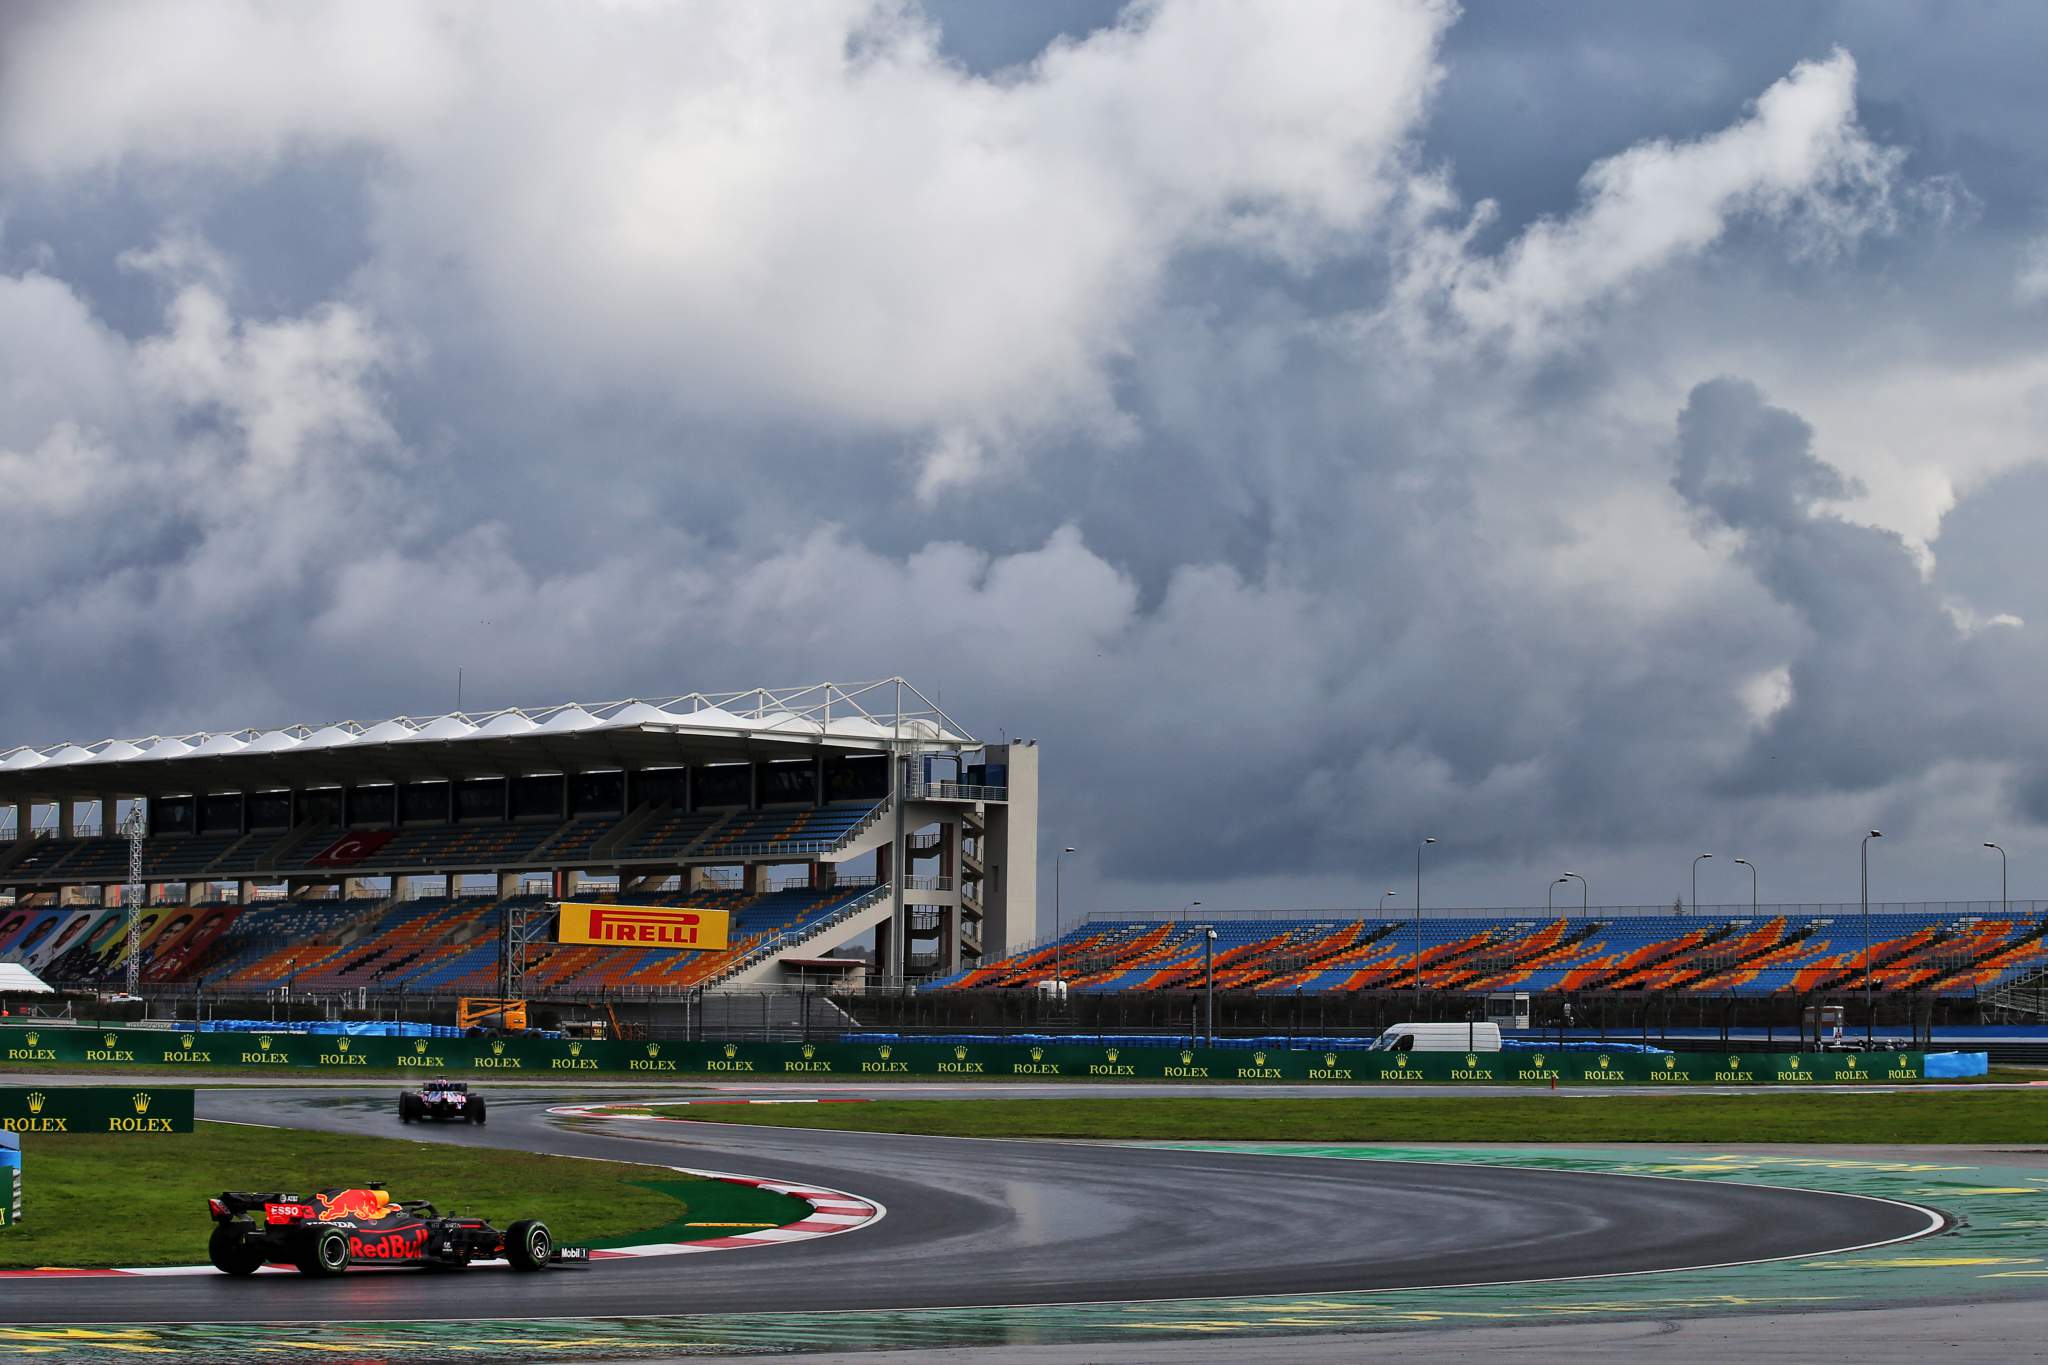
[[542, 1057]]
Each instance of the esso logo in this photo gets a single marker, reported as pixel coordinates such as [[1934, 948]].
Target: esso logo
[[286, 1213]]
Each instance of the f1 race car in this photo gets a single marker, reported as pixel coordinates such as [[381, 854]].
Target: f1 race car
[[448, 1100], [334, 1229]]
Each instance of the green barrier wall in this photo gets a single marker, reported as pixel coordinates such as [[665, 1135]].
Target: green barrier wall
[[521, 1057], [77, 1109]]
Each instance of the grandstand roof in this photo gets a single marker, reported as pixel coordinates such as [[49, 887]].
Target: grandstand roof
[[564, 737]]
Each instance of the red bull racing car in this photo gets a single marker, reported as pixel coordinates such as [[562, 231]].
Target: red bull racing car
[[446, 1100], [335, 1229]]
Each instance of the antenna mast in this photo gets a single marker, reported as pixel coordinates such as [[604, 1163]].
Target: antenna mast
[[132, 894]]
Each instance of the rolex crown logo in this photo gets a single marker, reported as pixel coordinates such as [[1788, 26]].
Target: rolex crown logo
[[497, 1047], [419, 1045], [1112, 1054], [654, 1049], [1329, 1059], [1734, 1063], [1037, 1054], [1670, 1063], [32, 1036], [576, 1049], [886, 1050], [185, 1040], [1471, 1059], [810, 1050], [142, 1098], [263, 1042], [1258, 1059], [109, 1039], [1539, 1059], [342, 1044], [1793, 1063], [731, 1050], [1904, 1060], [1603, 1061], [960, 1053], [36, 1100], [1400, 1061], [1850, 1061], [1187, 1058]]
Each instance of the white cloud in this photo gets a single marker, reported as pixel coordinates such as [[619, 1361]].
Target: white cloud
[[1800, 157]]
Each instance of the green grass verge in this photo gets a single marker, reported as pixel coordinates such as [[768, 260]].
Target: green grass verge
[[100, 1201], [1924, 1117]]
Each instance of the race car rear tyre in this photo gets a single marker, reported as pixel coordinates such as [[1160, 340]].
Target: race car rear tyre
[[476, 1110], [528, 1244], [405, 1104], [324, 1253], [231, 1253]]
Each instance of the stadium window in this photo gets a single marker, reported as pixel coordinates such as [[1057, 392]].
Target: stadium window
[[862, 777], [722, 784], [172, 815], [480, 799], [221, 813], [789, 782], [270, 810], [373, 805], [423, 803], [662, 786], [538, 797], [598, 793], [321, 806]]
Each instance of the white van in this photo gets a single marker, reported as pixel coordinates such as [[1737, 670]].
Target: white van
[[1469, 1037]]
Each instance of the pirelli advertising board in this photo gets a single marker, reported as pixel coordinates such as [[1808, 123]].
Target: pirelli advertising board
[[76, 1110], [280, 1051], [644, 926]]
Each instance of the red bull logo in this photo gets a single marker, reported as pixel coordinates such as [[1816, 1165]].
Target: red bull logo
[[363, 1205], [391, 1246]]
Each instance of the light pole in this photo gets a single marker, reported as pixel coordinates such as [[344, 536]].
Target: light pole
[[1418, 923], [1869, 1025], [1585, 911], [1744, 862], [1059, 974], [1696, 881], [2004, 901], [1550, 893], [1209, 971]]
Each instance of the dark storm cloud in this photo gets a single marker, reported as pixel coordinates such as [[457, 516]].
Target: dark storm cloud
[[1162, 397]]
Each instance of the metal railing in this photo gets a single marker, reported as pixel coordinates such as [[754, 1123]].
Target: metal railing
[[952, 791], [1717, 914], [927, 883], [782, 942]]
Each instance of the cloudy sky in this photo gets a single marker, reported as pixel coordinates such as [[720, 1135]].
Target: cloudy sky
[[1591, 435]]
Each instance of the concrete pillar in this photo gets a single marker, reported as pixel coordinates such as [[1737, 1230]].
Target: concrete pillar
[[109, 827], [67, 819], [22, 813], [1010, 855], [508, 883], [756, 879]]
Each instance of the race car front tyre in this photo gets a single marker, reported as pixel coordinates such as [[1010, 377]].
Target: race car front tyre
[[324, 1253], [528, 1244], [231, 1253], [476, 1110]]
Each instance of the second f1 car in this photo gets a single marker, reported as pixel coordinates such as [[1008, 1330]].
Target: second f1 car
[[446, 1100], [335, 1229]]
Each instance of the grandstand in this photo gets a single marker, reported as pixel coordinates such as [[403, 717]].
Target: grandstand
[[392, 855], [1810, 950]]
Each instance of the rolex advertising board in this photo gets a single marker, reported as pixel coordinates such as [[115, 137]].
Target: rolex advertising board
[[80, 1109], [278, 1051], [644, 926]]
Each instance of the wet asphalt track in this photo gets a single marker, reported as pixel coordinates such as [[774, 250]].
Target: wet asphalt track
[[982, 1222]]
